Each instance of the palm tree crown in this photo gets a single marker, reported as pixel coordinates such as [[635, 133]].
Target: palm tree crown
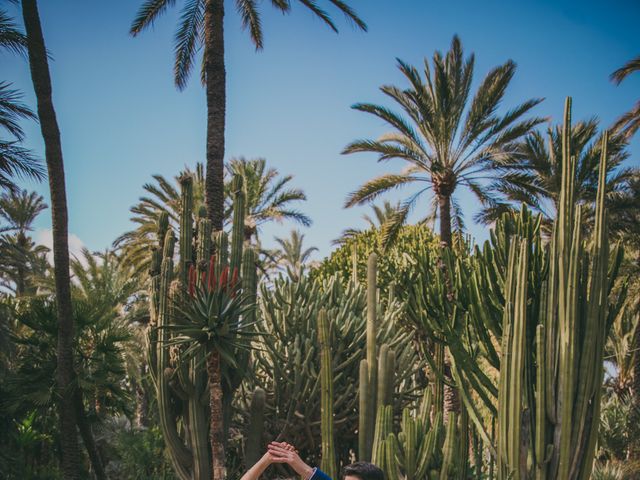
[[189, 37], [267, 198], [533, 176], [267, 195], [447, 138], [22, 260], [15, 160], [382, 215], [293, 257]]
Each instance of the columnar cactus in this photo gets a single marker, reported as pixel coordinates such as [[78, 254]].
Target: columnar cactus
[[377, 371], [255, 431], [178, 370], [326, 395], [572, 321]]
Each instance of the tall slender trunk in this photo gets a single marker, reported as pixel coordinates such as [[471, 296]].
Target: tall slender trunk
[[87, 438], [444, 202], [215, 82], [215, 74], [216, 416], [53, 153], [451, 396]]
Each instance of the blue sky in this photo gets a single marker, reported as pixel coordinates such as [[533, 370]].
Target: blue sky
[[123, 120]]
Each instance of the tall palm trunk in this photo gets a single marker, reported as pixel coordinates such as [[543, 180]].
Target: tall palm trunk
[[216, 427], [215, 79], [55, 167], [451, 396], [444, 203], [87, 437], [215, 74]]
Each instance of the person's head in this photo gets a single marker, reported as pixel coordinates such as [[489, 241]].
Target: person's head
[[362, 471]]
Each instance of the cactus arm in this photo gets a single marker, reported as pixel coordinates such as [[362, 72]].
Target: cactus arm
[[371, 338], [540, 411], [364, 394], [326, 406], [237, 232], [256, 427], [449, 449]]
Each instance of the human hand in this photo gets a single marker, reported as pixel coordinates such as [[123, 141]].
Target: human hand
[[283, 452]]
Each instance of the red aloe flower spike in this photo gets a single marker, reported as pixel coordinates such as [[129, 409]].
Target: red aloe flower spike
[[212, 275], [203, 279], [192, 281], [223, 278]]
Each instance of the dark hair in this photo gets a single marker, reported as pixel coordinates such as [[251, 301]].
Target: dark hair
[[363, 470]]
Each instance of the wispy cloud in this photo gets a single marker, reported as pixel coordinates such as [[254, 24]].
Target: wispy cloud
[[45, 237]]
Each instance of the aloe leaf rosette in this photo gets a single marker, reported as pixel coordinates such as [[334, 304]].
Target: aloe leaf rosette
[[210, 316]]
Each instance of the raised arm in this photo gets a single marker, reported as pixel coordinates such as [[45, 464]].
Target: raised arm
[[260, 466]]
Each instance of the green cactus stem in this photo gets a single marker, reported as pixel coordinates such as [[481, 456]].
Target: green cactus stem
[[326, 391]]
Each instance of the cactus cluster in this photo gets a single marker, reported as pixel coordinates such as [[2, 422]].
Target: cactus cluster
[[550, 413], [176, 360], [422, 448], [288, 365], [525, 326]]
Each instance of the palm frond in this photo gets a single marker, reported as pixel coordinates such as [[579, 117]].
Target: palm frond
[[320, 13], [148, 13], [10, 37], [377, 186], [248, 12], [17, 162], [188, 39], [12, 111], [627, 69]]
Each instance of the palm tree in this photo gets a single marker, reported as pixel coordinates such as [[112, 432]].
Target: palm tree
[[293, 257], [381, 216], [161, 196], [446, 139], [533, 176], [201, 25], [629, 123], [99, 345], [266, 195], [22, 259], [15, 161], [65, 374], [267, 198]]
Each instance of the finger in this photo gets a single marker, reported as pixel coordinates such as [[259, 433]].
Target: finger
[[279, 450], [278, 444]]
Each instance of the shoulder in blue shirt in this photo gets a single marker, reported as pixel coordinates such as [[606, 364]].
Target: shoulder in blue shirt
[[319, 475]]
